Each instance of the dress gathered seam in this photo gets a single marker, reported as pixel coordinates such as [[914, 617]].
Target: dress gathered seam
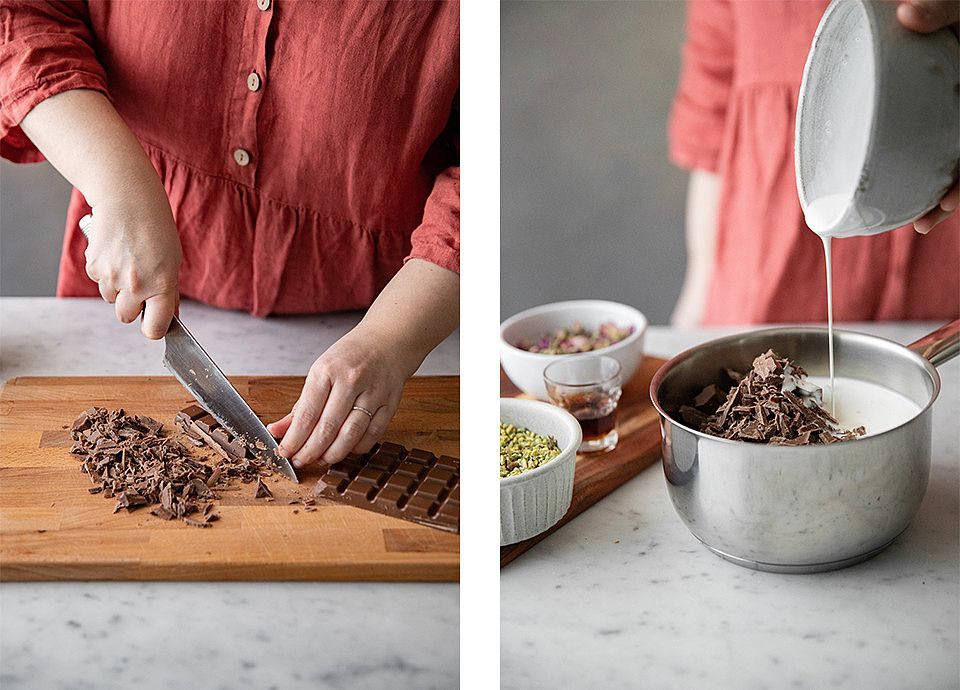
[[265, 197]]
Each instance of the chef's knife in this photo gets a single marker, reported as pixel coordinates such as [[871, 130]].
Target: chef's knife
[[198, 373]]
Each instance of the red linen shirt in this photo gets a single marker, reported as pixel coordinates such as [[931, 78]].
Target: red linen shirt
[[307, 148], [734, 115]]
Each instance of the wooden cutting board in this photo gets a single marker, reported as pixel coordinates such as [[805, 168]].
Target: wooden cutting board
[[598, 474], [52, 528]]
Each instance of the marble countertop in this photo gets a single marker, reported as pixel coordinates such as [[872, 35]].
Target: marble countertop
[[625, 597], [159, 635]]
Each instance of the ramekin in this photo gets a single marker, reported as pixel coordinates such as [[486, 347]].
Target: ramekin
[[534, 501]]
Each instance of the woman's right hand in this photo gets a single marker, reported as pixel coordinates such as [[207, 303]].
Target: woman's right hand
[[133, 250], [133, 253]]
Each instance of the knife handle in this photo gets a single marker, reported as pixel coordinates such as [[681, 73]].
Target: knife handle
[[85, 225], [85, 229]]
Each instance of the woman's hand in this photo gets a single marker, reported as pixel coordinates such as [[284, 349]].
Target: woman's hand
[[367, 368], [133, 254], [133, 251], [926, 16], [948, 204], [361, 370]]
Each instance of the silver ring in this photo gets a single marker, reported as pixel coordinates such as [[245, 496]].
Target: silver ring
[[364, 410]]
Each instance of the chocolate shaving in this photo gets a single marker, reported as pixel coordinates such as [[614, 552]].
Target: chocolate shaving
[[262, 490], [762, 407], [239, 462]]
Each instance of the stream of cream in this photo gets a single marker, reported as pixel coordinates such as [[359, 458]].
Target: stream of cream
[[821, 216], [833, 385]]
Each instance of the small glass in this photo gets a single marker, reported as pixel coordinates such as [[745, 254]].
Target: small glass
[[589, 389]]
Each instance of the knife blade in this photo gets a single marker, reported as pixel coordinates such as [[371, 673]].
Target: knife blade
[[198, 373]]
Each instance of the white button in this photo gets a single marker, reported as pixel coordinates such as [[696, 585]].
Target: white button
[[241, 156], [253, 81], [263, 4]]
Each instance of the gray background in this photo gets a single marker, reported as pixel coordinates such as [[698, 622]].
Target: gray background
[[590, 205], [33, 210]]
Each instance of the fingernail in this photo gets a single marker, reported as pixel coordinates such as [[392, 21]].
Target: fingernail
[[922, 226], [298, 463]]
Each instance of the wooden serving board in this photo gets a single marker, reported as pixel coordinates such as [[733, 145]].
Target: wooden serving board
[[598, 474], [52, 528]]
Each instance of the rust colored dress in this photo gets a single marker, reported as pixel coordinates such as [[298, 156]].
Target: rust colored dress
[[307, 148], [734, 115]]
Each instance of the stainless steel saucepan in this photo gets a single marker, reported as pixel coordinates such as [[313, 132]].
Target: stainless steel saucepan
[[801, 509]]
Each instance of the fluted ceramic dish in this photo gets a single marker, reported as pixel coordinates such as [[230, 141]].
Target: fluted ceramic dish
[[534, 501]]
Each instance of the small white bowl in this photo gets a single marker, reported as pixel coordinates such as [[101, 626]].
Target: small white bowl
[[534, 501], [525, 369], [878, 121]]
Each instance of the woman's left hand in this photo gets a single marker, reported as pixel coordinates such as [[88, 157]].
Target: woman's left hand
[[354, 388], [948, 204], [351, 393]]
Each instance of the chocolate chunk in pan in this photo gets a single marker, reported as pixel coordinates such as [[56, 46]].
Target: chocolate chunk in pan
[[771, 403]]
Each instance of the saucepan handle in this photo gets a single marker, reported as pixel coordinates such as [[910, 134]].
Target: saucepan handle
[[940, 346], [85, 229]]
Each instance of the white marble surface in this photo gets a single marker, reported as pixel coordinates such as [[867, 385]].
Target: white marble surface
[[81, 337], [626, 597], [159, 635]]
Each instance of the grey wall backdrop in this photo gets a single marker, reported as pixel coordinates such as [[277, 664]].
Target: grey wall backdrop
[[590, 205], [33, 210]]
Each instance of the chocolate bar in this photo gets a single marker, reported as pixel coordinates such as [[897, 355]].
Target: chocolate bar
[[414, 485]]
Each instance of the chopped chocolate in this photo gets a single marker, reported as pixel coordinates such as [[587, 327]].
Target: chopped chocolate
[[413, 485], [262, 490], [772, 403], [711, 396], [239, 462], [128, 458]]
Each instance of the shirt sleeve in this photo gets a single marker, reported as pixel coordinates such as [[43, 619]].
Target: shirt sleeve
[[700, 106], [47, 49], [437, 238]]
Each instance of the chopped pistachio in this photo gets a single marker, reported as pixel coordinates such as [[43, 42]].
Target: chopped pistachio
[[522, 450]]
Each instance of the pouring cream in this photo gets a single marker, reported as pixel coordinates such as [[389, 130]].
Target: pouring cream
[[822, 216]]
